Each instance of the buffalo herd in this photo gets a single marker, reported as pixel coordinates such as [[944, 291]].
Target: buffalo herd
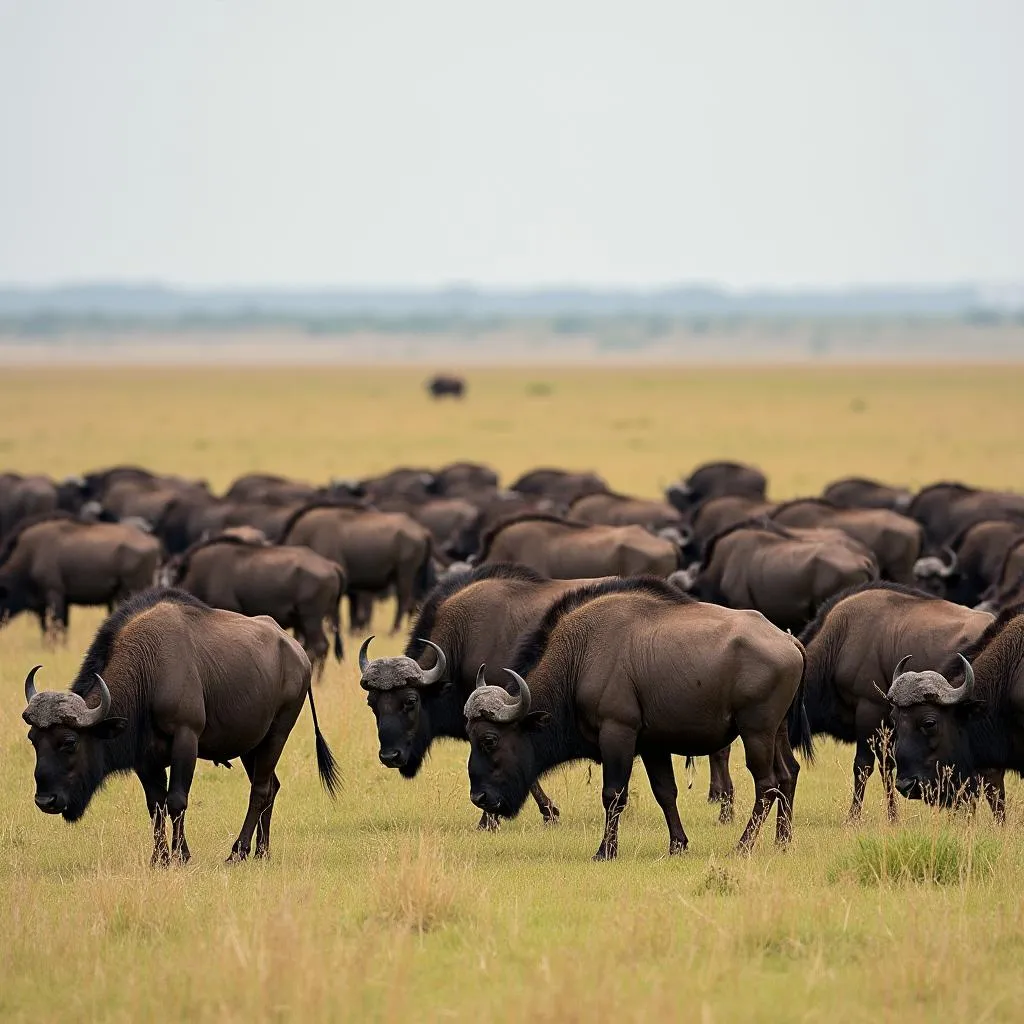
[[549, 621]]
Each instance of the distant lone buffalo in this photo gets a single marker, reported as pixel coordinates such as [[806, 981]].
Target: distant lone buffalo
[[446, 386]]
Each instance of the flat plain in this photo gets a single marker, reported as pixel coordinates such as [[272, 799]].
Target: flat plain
[[389, 904]]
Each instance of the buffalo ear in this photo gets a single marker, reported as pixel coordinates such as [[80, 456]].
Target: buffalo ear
[[109, 728], [535, 720], [971, 708]]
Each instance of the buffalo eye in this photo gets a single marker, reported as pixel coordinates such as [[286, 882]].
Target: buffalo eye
[[928, 726], [410, 702], [69, 744], [488, 742]]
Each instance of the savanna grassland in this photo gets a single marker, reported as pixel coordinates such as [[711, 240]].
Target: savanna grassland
[[388, 904]]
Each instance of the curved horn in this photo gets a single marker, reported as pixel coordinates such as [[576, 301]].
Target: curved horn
[[364, 661], [964, 691], [899, 666], [524, 694], [950, 567], [30, 684], [96, 715], [433, 675], [480, 677]]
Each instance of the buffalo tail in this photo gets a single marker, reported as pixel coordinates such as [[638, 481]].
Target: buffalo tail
[[330, 775], [798, 724]]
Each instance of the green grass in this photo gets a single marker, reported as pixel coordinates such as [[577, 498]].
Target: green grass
[[389, 904]]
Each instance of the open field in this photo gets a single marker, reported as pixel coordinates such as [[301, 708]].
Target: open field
[[389, 904]]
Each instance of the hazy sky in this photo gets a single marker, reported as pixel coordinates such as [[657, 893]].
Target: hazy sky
[[323, 142]]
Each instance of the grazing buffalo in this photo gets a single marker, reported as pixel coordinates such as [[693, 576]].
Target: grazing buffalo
[[854, 644], [565, 550], [50, 562], [1008, 586], [717, 514], [611, 509], [446, 386], [560, 486], [858, 492], [715, 480], [629, 668], [175, 681], [269, 489], [471, 619], [960, 729], [408, 484], [971, 563], [449, 520], [24, 497], [945, 509], [895, 540], [465, 480], [785, 574], [377, 549], [295, 586]]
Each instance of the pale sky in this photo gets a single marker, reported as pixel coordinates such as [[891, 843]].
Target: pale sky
[[328, 143]]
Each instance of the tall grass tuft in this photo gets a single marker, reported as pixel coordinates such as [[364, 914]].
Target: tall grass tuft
[[418, 887], [941, 858]]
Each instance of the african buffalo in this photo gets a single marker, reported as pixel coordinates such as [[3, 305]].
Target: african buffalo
[[176, 681], [560, 486], [945, 509], [629, 668], [894, 539], [610, 509], [715, 480], [971, 563], [52, 561], [295, 586], [854, 644], [377, 549], [718, 514], [465, 480], [471, 619], [444, 385], [785, 574], [24, 497], [1008, 587], [270, 489], [858, 492], [958, 730], [562, 549], [410, 484]]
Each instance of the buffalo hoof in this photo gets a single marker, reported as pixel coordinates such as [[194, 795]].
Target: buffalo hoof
[[725, 814], [605, 854], [488, 823], [550, 814], [677, 846], [161, 858], [237, 856]]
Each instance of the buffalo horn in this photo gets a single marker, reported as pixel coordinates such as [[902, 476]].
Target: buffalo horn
[[480, 677], [434, 674], [950, 567], [899, 667], [524, 694], [30, 684], [965, 689], [364, 661], [96, 715]]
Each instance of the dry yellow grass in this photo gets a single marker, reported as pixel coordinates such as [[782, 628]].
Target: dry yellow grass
[[389, 904]]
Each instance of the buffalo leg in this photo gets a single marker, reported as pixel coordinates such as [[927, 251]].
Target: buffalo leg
[[720, 791], [263, 788], [548, 810], [314, 642], [787, 769], [995, 793], [759, 749], [154, 784], [405, 585], [887, 769], [663, 785], [488, 822], [263, 823], [617, 744], [184, 751]]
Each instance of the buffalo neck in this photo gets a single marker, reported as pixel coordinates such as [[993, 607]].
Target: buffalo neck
[[553, 690], [990, 737], [446, 712]]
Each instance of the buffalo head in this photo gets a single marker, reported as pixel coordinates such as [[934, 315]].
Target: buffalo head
[[68, 737], [396, 689], [934, 573], [933, 752], [501, 758]]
